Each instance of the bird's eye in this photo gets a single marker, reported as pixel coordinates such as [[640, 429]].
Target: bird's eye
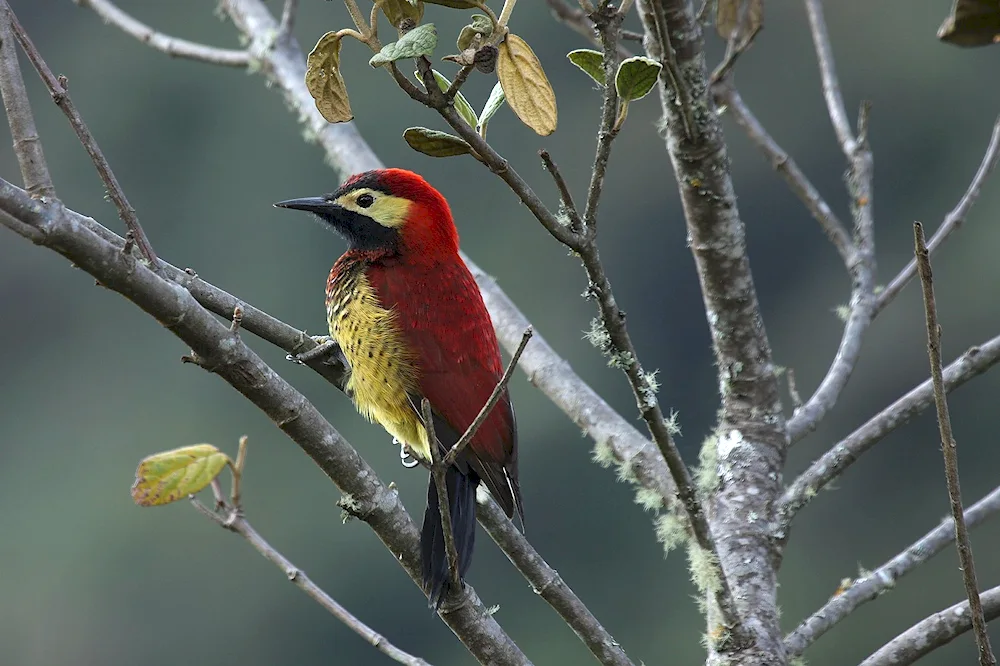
[[366, 200]]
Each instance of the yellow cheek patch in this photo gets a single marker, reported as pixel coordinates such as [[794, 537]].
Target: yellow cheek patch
[[389, 211]]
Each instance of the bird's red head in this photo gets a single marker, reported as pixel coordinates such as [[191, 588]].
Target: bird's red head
[[386, 212]]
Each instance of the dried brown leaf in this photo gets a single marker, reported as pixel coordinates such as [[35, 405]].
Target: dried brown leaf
[[324, 81], [525, 85]]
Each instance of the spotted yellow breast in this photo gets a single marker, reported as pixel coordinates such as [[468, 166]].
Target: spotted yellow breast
[[382, 368]]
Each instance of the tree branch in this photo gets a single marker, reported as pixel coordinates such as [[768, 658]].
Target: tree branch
[[842, 455], [828, 75], [172, 46], [438, 471], [228, 356], [57, 88], [949, 448], [578, 21], [27, 145], [884, 578], [235, 522], [727, 95], [952, 221], [933, 632], [752, 442]]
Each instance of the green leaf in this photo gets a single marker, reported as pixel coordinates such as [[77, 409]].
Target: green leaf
[[461, 104], [434, 143], [492, 105], [590, 61], [454, 4], [418, 42], [324, 81], [636, 77], [172, 475]]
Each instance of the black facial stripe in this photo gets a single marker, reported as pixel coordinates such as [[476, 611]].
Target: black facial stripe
[[361, 231]]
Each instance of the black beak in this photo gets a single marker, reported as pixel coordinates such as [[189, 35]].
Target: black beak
[[317, 205]]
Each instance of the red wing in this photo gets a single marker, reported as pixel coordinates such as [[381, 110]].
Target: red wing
[[447, 327]]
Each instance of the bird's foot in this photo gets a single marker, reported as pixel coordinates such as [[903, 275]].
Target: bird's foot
[[325, 348]]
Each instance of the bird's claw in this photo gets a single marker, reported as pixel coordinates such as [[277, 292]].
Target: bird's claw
[[405, 458]]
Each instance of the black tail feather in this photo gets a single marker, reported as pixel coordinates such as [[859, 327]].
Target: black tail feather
[[434, 556]]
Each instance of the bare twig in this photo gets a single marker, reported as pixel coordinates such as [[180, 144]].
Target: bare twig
[[477, 423], [933, 632], [728, 96], [834, 462], [27, 145], [828, 74], [884, 578], [288, 19], [577, 20], [608, 23], [57, 87], [733, 52], [238, 524], [238, 467], [862, 269], [565, 196], [950, 449], [172, 46], [438, 472], [952, 221]]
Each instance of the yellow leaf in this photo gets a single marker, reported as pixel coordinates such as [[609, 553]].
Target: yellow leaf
[[172, 475], [525, 85], [324, 81]]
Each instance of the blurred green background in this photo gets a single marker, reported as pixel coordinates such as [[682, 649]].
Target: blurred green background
[[90, 384]]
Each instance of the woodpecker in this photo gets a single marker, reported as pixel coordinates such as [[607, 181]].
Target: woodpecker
[[410, 321]]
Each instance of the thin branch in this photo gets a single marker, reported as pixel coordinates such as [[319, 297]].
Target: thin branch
[[885, 577], [172, 46], [828, 74], [863, 269], [608, 22], [579, 22], [565, 196], [484, 413], [27, 145], [952, 221], [238, 524], [287, 24], [733, 52], [949, 448], [57, 88], [69, 234], [726, 95], [933, 632], [438, 472], [842, 455]]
